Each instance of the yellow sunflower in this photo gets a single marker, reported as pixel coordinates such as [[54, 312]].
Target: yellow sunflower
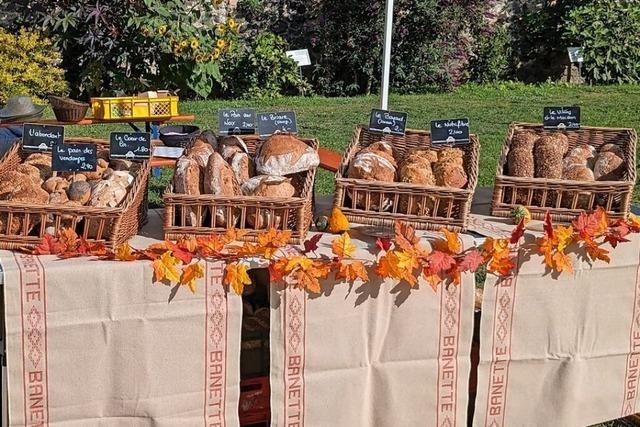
[[195, 43], [162, 30], [184, 43], [231, 23], [221, 29], [216, 54], [221, 44]]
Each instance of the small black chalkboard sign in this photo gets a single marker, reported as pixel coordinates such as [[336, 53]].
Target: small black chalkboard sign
[[393, 122], [130, 145], [450, 131], [561, 118], [280, 122], [241, 121], [74, 157], [41, 137]]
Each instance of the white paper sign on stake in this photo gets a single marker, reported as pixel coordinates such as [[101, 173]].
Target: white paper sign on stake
[[576, 54], [301, 56]]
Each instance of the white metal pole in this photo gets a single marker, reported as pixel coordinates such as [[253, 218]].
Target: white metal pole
[[386, 58]]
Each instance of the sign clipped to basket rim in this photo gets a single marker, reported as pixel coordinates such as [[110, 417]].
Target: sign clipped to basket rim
[[130, 145], [279, 122], [561, 118], [74, 157], [450, 131], [389, 122], [37, 137], [237, 121]]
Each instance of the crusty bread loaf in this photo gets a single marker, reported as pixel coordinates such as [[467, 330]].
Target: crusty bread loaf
[[58, 197], [578, 173], [613, 148], [427, 155], [284, 154], [230, 145], [452, 155], [416, 169], [30, 170], [55, 183], [200, 152], [207, 137], [188, 179], [450, 174], [267, 186], [582, 151], [373, 166], [80, 191], [608, 167], [107, 194], [382, 146], [42, 162], [14, 182], [219, 180], [417, 172], [520, 161], [123, 178], [243, 167]]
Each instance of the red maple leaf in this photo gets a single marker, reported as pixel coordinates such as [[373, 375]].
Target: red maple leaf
[[518, 232], [440, 262], [311, 245], [617, 234], [384, 243], [185, 256], [48, 246], [548, 225], [471, 261], [586, 225]]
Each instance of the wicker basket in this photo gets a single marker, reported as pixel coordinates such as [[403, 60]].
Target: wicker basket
[[296, 212], [68, 110], [566, 199], [111, 226], [450, 206]]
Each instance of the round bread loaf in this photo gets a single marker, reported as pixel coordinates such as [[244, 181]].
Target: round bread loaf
[[429, 156], [77, 177], [570, 160], [417, 171], [101, 166], [450, 174], [582, 151], [381, 146], [608, 167], [58, 197], [451, 154], [523, 140], [30, 170], [268, 186], [372, 166], [123, 178], [520, 161], [14, 182], [219, 180], [612, 148], [79, 191], [42, 162], [120, 164], [55, 183], [30, 193], [284, 154], [105, 194], [578, 173]]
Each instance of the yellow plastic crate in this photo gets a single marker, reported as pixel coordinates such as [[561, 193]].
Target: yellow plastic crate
[[130, 107]]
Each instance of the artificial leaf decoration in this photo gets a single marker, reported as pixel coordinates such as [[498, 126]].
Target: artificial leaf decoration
[[298, 262], [342, 246], [501, 264], [308, 278], [440, 262], [518, 232], [124, 252], [190, 274], [234, 234], [351, 271], [595, 252], [471, 261], [548, 225], [451, 243], [338, 223], [236, 277], [562, 262], [179, 251], [564, 235], [406, 238], [166, 268], [384, 243], [586, 225], [311, 244], [272, 240], [211, 246], [48, 246], [398, 265]]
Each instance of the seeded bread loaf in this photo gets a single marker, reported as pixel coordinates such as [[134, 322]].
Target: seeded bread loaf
[[520, 161], [523, 140], [548, 154]]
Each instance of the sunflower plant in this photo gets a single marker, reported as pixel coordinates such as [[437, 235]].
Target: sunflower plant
[[194, 36]]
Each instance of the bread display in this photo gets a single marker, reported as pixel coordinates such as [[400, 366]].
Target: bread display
[[524, 139], [374, 163], [283, 154]]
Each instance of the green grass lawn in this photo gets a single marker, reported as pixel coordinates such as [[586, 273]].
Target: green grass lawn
[[490, 109]]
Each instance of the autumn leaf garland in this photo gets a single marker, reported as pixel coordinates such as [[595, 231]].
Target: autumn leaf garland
[[402, 258]]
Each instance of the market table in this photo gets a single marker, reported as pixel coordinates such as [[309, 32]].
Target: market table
[[373, 354]]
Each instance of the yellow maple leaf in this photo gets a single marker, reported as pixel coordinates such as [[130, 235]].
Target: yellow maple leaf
[[338, 223], [166, 267], [210, 246], [236, 277], [270, 241], [233, 234], [398, 265], [562, 262], [124, 252], [351, 271], [564, 236], [307, 278], [342, 246], [546, 248], [190, 274], [298, 262], [451, 243]]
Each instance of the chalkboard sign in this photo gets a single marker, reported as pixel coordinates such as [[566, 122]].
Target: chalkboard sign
[[41, 137], [130, 145], [384, 121], [73, 157], [270, 123], [561, 118], [240, 121], [450, 131]]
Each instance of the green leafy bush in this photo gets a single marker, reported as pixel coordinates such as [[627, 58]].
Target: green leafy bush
[[490, 62], [259, 68], [609, 31], [29, 66]]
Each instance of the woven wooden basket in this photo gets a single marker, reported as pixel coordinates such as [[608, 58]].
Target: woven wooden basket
[[68, 110], [295, 213], [566, 199], [111, 226], [450, 206]]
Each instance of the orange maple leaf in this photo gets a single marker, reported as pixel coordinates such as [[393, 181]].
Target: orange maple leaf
[[451, 243], [190, 274], [564, 236], [342, 246], [308, 277], [210, 246], [125, 252], [433, 280], [501, 264], [272, 240], [49, 245], [69, 240], [398, 265], [562, 262], [406, 238], [546, 247], [338, 223], [236, 277], [351, 271], [595, 252], [165, 267], [277, 269], [233, 235]]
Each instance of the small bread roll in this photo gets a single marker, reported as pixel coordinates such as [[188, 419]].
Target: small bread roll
[[284, 154], [77, 177], [608, 167], [58, 197], [450, 174], [79, 191], [101, 166], [578, 173], [55, 183]]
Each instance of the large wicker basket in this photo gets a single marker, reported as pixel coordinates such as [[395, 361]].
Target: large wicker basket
[[67, 109], [295, 213], [450, 206], [111, 226], [566, 199]]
